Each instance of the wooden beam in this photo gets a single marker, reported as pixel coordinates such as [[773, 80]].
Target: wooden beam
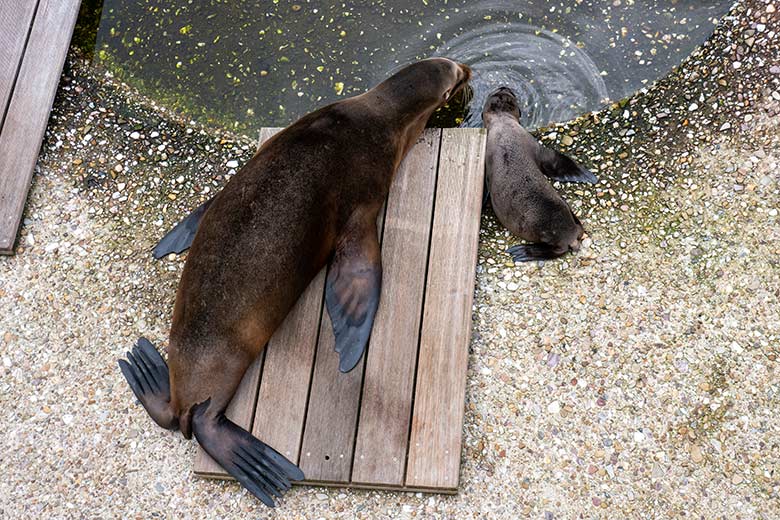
[[437, 419], [28, 110], [284, 390], [15, 22], [334, 400], [385, 412]]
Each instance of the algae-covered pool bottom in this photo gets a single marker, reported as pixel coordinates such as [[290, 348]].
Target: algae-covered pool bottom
[[245, 64]]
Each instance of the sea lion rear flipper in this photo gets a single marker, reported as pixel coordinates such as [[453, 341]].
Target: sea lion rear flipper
[[180, 237], [258, 467], [352, 290], [560, 167], [147, 374], [532, 252]]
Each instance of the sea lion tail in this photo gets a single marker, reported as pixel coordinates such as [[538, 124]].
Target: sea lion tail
[[258, 467], [147, 374]]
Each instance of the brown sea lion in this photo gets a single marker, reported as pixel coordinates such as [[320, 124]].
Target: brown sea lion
[[516, 171], [310, 196]]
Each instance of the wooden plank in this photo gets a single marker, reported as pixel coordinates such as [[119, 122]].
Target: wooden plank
[[437, 420], [331, 418], [385, 411], [242, 407], [284, 390], [28, 111], [15, 21]]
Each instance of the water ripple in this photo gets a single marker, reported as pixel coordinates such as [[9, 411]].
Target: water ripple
[[553, 78]]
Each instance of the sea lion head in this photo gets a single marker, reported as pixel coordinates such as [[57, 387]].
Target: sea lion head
[[502, 101], [565, 232], [425, 85]]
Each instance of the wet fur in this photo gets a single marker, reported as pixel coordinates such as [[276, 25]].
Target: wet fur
[[522, 197]]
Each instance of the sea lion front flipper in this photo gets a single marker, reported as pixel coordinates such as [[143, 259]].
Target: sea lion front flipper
[[532, 252], [258, 467], [352, 290], [560, 167], [180, 237]]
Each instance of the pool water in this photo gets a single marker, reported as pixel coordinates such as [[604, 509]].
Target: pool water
[[245, 64]]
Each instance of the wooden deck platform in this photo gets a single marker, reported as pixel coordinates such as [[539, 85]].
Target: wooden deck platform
[[395, 421], [34, 39]]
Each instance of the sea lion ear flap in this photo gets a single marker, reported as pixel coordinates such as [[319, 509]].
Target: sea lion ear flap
[[560, 167], [352, 290]]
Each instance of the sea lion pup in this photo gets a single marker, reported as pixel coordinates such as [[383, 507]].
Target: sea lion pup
[[523, 199], [310, 196]]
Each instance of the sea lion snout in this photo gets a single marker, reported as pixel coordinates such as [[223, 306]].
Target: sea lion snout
[[576, 242]]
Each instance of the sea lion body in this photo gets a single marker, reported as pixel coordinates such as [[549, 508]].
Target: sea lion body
[[311, 195], [517, 168]]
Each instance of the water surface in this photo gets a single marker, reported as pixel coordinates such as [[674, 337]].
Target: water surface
[[246, 64]]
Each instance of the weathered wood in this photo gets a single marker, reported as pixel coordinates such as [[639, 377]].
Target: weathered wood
[[284, 390], [385, 412], [241, 409], [15, 21], [434, 447], [334, 400], [29, 107]]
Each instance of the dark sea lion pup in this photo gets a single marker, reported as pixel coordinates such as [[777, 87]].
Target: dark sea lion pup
[[310, 196], [523, 199]]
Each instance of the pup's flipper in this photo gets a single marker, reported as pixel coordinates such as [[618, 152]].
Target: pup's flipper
[[352, 289], [180, 237], [532, 252], [258, 467], [560, 167], [147, 374]]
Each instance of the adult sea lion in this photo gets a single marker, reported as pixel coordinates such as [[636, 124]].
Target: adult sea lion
[[310, 196], [523, 199]]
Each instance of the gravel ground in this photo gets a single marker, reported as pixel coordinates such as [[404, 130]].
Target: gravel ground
[[638, 379]]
